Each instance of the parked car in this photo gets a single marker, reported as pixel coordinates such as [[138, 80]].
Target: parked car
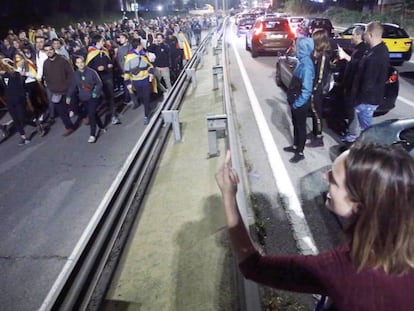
[[244, 25], [294, 22], [396, 39], [393, 131], [269, 34], [240, 16], [308, 25], [333, 102]]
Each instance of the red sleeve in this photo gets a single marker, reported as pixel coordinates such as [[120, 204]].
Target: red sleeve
[[299, 273]]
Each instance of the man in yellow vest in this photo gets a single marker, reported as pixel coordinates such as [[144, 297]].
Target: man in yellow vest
[[138, 75]]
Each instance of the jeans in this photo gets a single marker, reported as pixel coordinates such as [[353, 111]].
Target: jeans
[[163, 73], [365, 113]]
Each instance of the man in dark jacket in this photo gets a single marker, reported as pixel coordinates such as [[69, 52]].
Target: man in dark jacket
[[371, 75], [88, 85], [162, 61], [57, 74], [350, 89], [99, 59]]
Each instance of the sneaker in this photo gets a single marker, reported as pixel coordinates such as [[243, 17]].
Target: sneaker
[[4, 132], [91, 139], [115, 120], [315, 142], [310, 135], [146, 120], [41, 130], [297, 157], [102, 131], [289, 149], [349, 138], [23, 141]]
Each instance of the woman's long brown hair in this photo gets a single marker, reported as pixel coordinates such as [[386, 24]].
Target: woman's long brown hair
[[380, 179]]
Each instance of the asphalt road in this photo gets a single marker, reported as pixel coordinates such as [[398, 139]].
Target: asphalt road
[[49, 190]]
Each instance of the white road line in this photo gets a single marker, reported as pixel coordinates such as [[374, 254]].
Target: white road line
[[301, 231], [405, 101]]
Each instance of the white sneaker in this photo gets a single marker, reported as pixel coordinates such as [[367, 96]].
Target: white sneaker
[[115, 120], [91, 139]]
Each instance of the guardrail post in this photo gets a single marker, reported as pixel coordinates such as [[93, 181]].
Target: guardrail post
[[216, 126], [216, 71], [171, 116], [192, 76]]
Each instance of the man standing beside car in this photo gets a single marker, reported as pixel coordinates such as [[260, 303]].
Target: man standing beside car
[[371, 75], [349, 76]]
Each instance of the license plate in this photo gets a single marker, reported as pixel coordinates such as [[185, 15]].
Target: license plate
[[395, 55], [276, 36]]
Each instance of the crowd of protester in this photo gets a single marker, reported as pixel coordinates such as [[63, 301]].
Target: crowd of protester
[[73, 71]]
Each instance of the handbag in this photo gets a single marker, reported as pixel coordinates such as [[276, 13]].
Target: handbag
[[294, 90]]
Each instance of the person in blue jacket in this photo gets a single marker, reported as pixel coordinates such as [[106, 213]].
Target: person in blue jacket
[[305, 71]]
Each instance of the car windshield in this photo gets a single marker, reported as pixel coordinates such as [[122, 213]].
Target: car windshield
[[279, 25]]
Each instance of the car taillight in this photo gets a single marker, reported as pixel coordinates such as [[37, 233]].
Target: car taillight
[[258, 30], [393, 77], [408, 43]]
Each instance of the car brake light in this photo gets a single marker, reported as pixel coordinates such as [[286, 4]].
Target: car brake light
[[393, 77], [408, 43], [259, 30]]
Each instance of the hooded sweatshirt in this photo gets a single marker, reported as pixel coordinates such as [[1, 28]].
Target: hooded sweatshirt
[[304, 70]]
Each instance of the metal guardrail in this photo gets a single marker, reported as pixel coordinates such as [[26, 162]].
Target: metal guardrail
[[83, 284]]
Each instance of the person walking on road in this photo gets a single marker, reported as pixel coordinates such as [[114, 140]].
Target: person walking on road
[[98, 58], [162, 62], [372, 186], [57, 74], [87, 84], [138, 76], [12, 83], [120, 54]]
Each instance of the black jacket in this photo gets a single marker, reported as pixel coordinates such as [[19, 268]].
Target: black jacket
[[12, 84], [373, 71], [162, 53]]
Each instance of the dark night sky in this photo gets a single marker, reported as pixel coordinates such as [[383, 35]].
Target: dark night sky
[[18, 14]]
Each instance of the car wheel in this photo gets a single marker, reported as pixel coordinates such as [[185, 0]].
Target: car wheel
[[278, 77], [254, 51]]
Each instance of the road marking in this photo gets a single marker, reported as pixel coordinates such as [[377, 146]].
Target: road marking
[[301, 231], [405, 101]]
